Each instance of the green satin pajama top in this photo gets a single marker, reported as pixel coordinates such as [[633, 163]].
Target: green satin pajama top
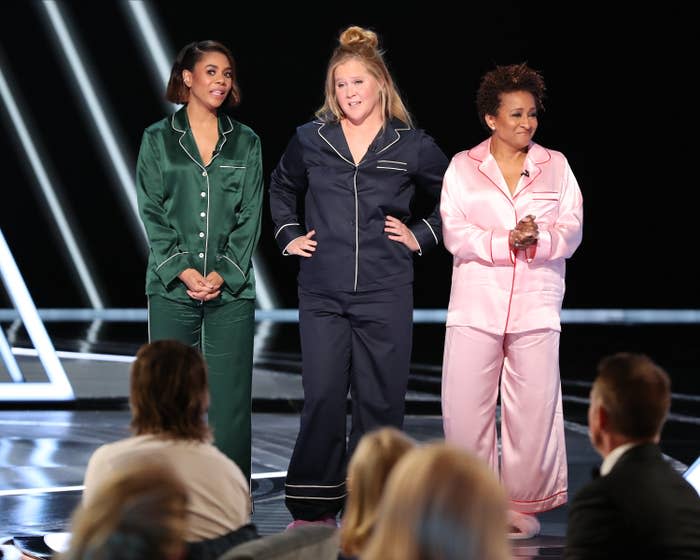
[[197, 216]]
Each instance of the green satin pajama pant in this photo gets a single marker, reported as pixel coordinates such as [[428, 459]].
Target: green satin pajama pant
[[224, 335]]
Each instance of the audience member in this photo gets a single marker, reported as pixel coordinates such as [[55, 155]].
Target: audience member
[[137, 512], [639, 506], [440, 503], [374, 458], [169, 397]]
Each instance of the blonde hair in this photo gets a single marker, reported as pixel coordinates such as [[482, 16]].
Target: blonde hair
[[440, 503], [139, 512], [362, 45], [372, 461]]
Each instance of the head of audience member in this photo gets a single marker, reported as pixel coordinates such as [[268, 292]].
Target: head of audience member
[[192, 62], [364, 73], [169, 394], [373, 459], [139, 512], [440, 503], [507, 85], [630, 399]]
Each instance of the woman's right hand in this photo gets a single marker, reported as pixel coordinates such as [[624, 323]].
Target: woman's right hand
[[525, 233], [303, 245], [198, 287]]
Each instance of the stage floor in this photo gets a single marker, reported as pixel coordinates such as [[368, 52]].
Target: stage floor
[[44, 447]]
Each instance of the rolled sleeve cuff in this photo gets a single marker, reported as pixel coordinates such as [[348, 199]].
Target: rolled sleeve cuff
[[543, 247], [288, 233], [231, 272], [501, 253], [171, 267], [425, 236]]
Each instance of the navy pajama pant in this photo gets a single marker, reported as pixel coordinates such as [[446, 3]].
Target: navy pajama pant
[[356, 341]]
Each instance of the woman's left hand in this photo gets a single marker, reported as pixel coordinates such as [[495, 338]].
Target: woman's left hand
[[398, 231]]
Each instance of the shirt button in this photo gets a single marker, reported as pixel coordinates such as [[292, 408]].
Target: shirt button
[[204, 173], [201, 255], [202, 214], [202, 194], [201, 234]]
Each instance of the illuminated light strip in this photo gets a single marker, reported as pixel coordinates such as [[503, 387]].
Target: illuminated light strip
[[58, 387], [151, 43], [55, 489], [49, 194], [9, 359], [78, 355], [582, 316], [154, 47], [46, 490], [100, 121]]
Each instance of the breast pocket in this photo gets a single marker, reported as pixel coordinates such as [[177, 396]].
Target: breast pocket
[[231, 174], [392, 165], [544, 205]]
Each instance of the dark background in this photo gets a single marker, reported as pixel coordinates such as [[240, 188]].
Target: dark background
[[618, 100]]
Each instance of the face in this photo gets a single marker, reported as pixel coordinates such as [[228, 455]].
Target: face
[[356, 91], [594, 433], [516, 121], [210, 80]]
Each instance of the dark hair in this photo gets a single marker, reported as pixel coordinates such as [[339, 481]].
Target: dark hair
[[506, 79], [635, 392], [169, 391], [189, 55]]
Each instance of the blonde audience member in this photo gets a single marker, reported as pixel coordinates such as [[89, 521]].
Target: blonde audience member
[[440, 503], [374, 458], [138, 512]]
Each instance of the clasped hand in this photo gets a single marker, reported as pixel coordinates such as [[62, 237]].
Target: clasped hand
[[199, 287], [525, 233]]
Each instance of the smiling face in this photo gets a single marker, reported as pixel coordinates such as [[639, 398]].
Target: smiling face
[[210, 80], [516, 120], [357, 92]]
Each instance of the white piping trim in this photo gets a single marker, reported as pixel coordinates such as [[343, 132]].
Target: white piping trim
[[431, 231], [172, 257], [314, 497], [284, 226], [391, 161], [357, 229], [314, 485], [396, 168], [234, 264], [234, 166], [398, 137], [333, 147]]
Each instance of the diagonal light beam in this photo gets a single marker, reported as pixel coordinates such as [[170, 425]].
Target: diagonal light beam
[[104, 130], [49, 193]]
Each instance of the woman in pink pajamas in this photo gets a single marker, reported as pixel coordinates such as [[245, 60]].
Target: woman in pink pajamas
[[512, 213]]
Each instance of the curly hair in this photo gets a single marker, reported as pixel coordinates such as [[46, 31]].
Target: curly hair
[[362, 45], [506, 79], [191, 54]]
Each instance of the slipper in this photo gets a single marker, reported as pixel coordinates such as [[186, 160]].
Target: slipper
[[522, 525]]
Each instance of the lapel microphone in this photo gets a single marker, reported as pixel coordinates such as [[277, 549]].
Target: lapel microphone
[[526, 173]]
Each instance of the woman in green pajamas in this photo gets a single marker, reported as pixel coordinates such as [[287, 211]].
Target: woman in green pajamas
[[199, 189]]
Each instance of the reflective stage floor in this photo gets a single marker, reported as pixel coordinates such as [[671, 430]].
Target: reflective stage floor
[[44, 447]]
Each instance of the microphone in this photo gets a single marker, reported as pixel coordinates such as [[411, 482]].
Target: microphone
[[526, 173]]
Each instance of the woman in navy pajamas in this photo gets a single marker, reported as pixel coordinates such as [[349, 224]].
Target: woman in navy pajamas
[[340, 199]]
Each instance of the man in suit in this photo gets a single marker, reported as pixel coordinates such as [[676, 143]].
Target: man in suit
[[639, 506]]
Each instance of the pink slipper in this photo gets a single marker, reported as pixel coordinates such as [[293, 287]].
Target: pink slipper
[[523, 525], [325, 521]]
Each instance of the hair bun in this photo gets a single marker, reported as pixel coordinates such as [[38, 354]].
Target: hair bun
[[358, 37]]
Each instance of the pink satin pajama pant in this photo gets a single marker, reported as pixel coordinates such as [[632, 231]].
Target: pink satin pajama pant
[[526, 365]]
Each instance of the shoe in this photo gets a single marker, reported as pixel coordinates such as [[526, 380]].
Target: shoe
[[522, 525], [331, 521]]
